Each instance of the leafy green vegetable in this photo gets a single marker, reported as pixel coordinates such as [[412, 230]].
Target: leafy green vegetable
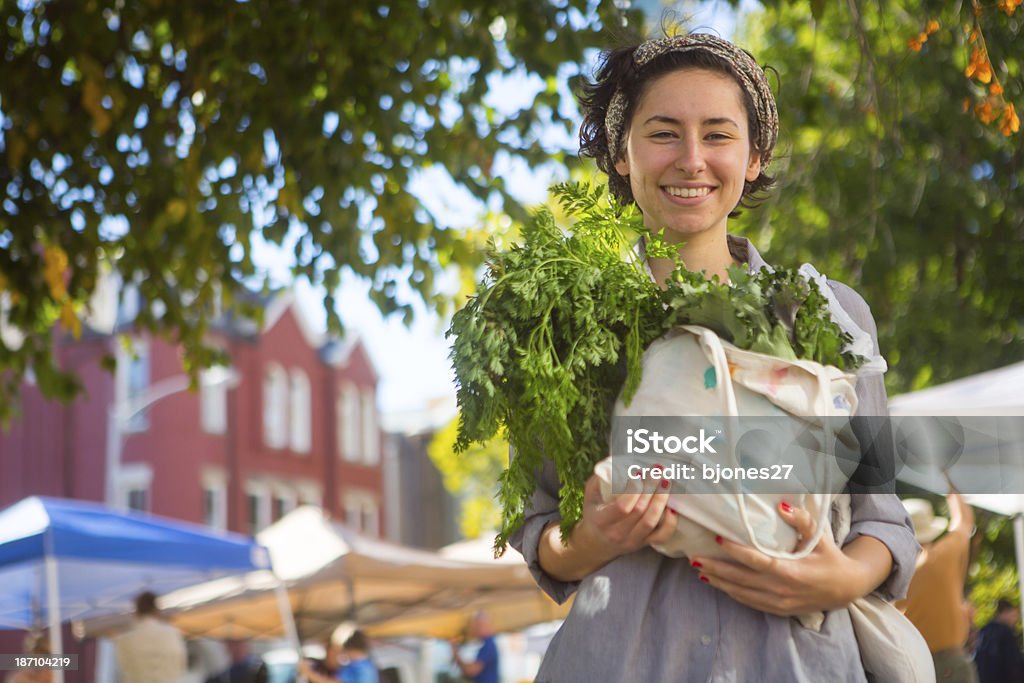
[[558, 327]]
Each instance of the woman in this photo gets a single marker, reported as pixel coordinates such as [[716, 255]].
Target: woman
[[685, 127]]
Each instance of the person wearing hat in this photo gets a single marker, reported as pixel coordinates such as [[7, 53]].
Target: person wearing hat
[[935, 601]]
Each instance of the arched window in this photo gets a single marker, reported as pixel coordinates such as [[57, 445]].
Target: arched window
[[300, 419], [275, 406]]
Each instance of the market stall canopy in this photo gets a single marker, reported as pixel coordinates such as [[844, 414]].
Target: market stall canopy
[[971, 429], [102, 559], [992, 393], [512, 608], [333, 574]]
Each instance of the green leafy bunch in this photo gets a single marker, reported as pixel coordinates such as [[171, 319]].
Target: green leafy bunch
[[558, 327], [780, 313], [539, 350]]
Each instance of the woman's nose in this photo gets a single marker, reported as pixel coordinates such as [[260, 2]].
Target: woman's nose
[[690, 159]]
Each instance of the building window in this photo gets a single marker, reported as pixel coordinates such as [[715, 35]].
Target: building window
[[361, 512], [213, 407], [133, 484], [348, 423], [138, 499], [371, 436], [135, 361], [257, 502], [215, 500], [275, 407], [300, 419], [282, 503]]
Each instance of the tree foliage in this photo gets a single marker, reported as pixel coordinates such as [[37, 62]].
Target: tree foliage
[[157, 140], [900, 174], [891, 181]]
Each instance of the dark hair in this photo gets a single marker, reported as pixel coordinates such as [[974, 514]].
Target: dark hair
[[618, 72], [1004, 605], [145, 603], [357, 641]]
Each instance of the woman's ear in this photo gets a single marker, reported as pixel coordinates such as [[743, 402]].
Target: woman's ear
[[622, 166], [753, 166]]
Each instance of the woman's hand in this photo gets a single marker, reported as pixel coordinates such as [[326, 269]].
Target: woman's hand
[[828, 578], [625, 523]]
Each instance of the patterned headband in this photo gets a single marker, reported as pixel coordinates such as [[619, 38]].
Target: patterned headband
[[740, 62]]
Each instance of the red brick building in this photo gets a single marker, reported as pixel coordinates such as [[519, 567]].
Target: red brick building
[[299, 424]]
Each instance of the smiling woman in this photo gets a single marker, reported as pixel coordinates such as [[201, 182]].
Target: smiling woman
[[685, 127]]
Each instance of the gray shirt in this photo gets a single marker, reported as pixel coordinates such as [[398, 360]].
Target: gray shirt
[[647, 617]]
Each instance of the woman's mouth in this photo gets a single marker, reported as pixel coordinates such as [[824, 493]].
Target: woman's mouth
[[688, 192]]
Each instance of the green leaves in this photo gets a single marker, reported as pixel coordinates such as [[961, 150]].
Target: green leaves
[[537, 351], [558, 327], [190, 125]]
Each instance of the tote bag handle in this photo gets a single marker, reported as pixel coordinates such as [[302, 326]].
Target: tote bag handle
[[713, 344]]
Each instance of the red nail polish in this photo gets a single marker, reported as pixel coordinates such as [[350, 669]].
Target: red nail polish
[[696, 564], [664, 483], [704, 579], [786, 507], [718, 540], [673, 511]]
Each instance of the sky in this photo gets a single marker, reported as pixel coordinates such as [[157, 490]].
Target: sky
[[417, 386]]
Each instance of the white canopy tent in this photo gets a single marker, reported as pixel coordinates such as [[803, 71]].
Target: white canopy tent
[[994, 402], [334, 575], [515, 607]]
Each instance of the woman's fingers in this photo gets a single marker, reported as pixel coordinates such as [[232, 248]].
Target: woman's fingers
[[801, 520], [633, 518]]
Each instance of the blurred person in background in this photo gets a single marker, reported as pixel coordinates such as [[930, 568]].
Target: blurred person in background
[[151, 651], [998, 656], [484, 667], [245, 666], [330, 665], [935, 600], [355, 663]]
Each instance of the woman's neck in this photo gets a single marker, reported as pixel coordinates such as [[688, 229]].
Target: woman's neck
[[700, 253]]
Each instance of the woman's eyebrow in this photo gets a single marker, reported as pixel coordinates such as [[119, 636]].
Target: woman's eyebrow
[[672, 121]]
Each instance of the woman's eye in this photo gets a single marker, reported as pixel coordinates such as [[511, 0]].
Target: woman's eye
[[718, 136]]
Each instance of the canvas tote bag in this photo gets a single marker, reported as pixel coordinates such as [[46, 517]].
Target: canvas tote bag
[[693, 372]]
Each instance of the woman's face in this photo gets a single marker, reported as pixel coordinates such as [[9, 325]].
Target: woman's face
[[688, 152]]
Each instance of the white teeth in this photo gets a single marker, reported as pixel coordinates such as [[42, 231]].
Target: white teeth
[[688, 192]]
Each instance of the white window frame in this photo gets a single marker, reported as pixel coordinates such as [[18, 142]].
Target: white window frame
[[362, 512], [275, 406], [370, 429], [261, 492], [134, 476], [213, 407], [300, 414], [216, 482], [349, 423], [134, 359], [287, 496]]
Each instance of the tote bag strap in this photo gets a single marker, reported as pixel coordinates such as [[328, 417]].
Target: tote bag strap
[[730, 411]]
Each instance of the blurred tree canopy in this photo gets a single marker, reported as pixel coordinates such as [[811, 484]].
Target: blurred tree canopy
[[901, 174], [154, 139]]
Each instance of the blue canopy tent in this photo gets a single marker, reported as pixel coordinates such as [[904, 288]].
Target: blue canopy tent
[[65, 559]]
